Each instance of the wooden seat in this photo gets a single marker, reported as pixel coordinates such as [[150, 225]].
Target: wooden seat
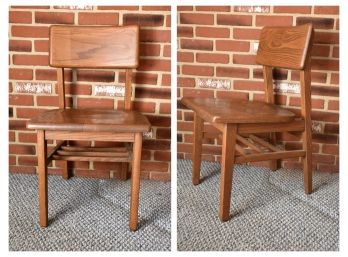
[[239, 120], [92, 47], [237, 111]]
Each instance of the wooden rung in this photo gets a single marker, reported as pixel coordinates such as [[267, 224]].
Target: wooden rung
[[240, 150], [248, 143], [93, 149], [264, 143], [270, 156], [91, 158], [99, 154], [54, 150]]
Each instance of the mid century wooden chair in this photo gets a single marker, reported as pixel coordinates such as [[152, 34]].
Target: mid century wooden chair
[[282, 47], [91, 47]]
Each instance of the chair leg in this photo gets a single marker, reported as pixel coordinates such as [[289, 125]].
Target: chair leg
[[307, 160], [135, 182], [273, 164], [124, 171], [197, 148], [227, 162], [65, 172], [42, 170]]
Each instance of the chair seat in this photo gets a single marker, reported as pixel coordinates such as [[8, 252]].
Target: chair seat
[[90, 120], [237, 110]]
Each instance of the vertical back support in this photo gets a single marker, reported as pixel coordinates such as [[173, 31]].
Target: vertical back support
[[61, 88]]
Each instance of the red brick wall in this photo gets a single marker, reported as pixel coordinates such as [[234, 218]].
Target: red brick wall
[[217, 42], [32, 82]]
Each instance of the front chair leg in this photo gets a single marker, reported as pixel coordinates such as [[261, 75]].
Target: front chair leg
[[42, 170], [135, 182], [307, 160], [197, 148], [229, 136]]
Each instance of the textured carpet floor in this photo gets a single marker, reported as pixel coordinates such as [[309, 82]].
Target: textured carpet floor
[[270, 211], [88, 215]]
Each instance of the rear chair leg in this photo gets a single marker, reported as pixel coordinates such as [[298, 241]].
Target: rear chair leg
[[197, 148], [42, 170], [307, 160], [135, 182], [274, 164], [65, 172], [227, 163]]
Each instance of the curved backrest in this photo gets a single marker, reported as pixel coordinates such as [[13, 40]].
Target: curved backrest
[[94, 46], [285, 47]]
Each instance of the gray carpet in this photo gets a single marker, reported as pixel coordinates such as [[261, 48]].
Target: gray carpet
[[88, 215], [270, 211]]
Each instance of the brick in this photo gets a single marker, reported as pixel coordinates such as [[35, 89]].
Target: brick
[[156, 144], [154, 166], [196, 44], [27, 137], [323, 158], [30, 31], [85, 103], [234, 20], [325, 64], [315, 103], [21, 74], [20, 45], [333, 105], [51, 74], [21, 100], [151, 20], [330, 149], [326, 9], [41, 45], [204, 93], [321, 50], [196, 18], [326, 38], [17, 124], [315, 76], [166, 51], [328, 168], [212, 32], [121, 7], [19, 17], [197, 70], [150, 49], [335, 78], [209, 8], [165, 108], [318, 23], [186, 82], [28, 113], [239, 33], [35, 60], [27, 160], [154, 65], [163, 133], [183, 31], [324, 116], [185, 57], [156, 8], [47, 100], [263, 20], [292, 9], [248, 85], [332, 128], [11, 136], [12, 160], [102, 18], [141, 78], [159, 121], [336, 52], [185, 8], [325, 91], [144, 107], [154, 93], [232, 72], [232, 45], [95, 75], [232, 95], [22, 149], [30, 7], [212, 58], [151, 35], [244, 59], [22, 169], [54, 17]]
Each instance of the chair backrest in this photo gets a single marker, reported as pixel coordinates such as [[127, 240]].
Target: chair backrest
[[94, 47], [285, 47], [289, 48]]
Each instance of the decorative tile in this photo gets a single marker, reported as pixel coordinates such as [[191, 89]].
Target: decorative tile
[[284, 87], [252, 9], [33, 87], [317, 127], [148, 135], [74, 7], [109, 90], [214, 83]]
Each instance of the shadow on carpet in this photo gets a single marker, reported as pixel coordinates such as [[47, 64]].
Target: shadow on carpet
[[270, 211], [88, 215]]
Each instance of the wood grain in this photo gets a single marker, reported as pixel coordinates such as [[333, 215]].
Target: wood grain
[[42, 170], [197, 148], [94, 46]]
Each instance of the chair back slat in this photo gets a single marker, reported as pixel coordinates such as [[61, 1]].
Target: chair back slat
[[94, 46], [284, 47]]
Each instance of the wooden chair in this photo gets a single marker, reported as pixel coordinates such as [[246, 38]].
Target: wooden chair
[[91, 47], [282, 47]]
